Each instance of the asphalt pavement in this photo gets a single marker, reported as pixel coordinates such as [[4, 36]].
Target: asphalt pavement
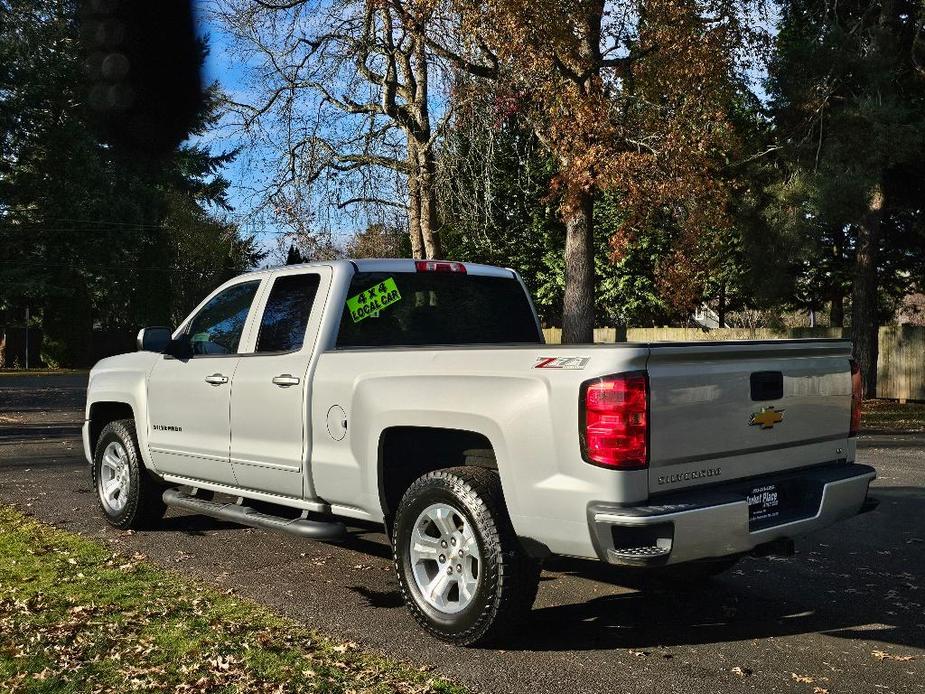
[[843, 615]]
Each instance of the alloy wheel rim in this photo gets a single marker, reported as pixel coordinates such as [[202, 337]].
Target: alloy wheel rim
[[445, 558], [115, 478]]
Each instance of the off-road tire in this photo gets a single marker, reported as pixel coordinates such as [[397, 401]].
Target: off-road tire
[[144, 507], [508, 576]]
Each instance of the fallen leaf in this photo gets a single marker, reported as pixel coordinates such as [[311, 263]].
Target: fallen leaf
[[741, 671], [802, 678], [883, 655]]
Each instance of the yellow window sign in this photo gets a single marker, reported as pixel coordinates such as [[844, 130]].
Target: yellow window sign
[[370, 302]]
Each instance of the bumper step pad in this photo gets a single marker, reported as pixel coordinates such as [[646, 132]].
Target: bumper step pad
[[637, 555]]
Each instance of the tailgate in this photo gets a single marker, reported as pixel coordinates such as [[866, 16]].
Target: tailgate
[[724, 411]]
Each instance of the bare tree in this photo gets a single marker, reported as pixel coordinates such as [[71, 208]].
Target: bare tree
[[341, 93]]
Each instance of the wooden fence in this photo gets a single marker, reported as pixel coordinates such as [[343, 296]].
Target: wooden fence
[[900, 368]]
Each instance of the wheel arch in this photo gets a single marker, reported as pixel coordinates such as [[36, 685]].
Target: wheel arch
[[405, 452], [102, 412]]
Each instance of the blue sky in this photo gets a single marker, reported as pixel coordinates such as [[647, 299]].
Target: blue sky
[[247, 172], [244, 173], [219, 64], [231, 74]]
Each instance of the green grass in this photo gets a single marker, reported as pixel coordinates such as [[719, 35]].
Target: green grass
[[890, 416], [74, 617]]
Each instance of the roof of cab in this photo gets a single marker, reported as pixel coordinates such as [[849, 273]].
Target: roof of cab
[[388, 265]]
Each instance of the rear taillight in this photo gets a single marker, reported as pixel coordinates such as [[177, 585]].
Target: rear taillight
[[857, 392], [614, 421], [439, 266]]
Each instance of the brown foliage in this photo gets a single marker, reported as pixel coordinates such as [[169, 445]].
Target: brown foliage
[[630, 97]]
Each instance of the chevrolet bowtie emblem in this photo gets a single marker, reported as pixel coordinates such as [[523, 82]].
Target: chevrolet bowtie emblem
[[767, 418]]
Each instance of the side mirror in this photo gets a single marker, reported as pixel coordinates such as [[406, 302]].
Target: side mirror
[[181, 348], [154, 338]]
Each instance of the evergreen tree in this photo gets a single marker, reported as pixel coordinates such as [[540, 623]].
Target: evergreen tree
[[90, 239], [848, 102]]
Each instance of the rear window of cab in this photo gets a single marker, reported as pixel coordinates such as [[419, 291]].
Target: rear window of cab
[[435, 308]]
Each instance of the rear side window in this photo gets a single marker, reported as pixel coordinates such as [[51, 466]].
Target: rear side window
[[435, 308], [285, 318]]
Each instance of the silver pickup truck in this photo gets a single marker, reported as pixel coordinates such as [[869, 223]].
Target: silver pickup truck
[[421, 395]]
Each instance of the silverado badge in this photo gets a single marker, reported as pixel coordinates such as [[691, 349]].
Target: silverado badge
[[767, 418]]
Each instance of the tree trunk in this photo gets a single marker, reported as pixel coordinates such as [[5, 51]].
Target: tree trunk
[[425, 166], [414, 204], [721, 308], [578, 305], [430, 232], [837, 310], [865, 325]]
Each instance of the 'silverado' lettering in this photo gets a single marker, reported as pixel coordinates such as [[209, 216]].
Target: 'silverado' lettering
[[688, 476]]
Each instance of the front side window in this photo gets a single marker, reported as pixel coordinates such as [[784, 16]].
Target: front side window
[[435, 308], [285, 318], [217, 328]]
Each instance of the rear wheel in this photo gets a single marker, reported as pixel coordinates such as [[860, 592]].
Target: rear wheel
[[128, 496], [463, 573]]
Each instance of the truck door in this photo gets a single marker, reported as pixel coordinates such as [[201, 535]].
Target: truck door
[[271, 389], [189, 398]]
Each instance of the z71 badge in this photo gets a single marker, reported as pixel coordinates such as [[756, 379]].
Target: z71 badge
[[561, 362]]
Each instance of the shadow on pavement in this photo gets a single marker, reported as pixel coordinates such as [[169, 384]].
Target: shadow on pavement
[[23, 433], [379, 598], [719, 611], [194, 525], [864, 594], [871, 593]]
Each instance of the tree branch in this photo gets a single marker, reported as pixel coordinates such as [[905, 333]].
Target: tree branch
[[280, 5], [489, 71], [371, 201], [351, 162]]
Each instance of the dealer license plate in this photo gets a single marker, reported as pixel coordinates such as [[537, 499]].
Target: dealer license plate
[[764, 503]]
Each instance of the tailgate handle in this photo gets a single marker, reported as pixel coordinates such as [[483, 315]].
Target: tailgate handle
[[767, 385]]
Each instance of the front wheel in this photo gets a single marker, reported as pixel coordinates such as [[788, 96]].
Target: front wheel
[[129, 497], [463, 573]]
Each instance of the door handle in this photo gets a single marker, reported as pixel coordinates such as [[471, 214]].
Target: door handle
[[286, 380], [216, 379]]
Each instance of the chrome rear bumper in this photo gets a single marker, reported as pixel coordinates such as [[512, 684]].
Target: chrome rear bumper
[[714, 522]]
